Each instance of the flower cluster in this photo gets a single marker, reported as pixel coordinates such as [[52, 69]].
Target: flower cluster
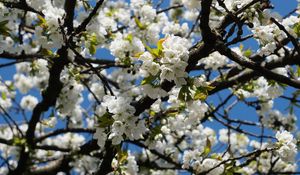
[[287, 147], [123, 120], [68, 103]]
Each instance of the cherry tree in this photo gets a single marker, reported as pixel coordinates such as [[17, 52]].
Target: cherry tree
[[148, 87]]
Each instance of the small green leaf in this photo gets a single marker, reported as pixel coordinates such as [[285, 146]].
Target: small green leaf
[[248, 87], [4, 30], [105, 120], [202, 92], [296, 29], [11, 87], [176, 14], [207, 148], [248, 53], [19, 141], [148, 80], [298, 70], [139, 24], [129, 37], [86, 5], [42, 22], [47, 52], [152, 113], [210, 88], [200, 96], [93, 43], [122, 156], [155, 131], [185, 94], [42, 19], [111, 12], [3, 23], [92, 49], [159, 45], [3, 95]]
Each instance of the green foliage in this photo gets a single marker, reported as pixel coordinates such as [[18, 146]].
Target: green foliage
[[93, 42], [139, 24], [17, 141], [105, 120], [202, 92], [4, 30], [296, 29], [185, 94]]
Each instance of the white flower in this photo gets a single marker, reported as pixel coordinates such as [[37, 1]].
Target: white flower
[[70, 97], [214, 61], [146, 56], [191, 15], [153, 92], [284, 136], [191, 4], [151, 67], [120, 47], [287, 152], [167, 73], [98, 91], [147, 13], [288, 148], [176, 29], [118, 128], [29, 102], [23, 83], [101, 136], [131, 167], [100, 110], [208, 163], [118, 105]]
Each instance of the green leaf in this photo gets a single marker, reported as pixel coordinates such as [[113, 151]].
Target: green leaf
[[154, 52], [129, 37], [92, 49], [207, 148], [160, 46], [185, 94], [42, 22], [200, 95], [152, 113], [111, 12], [296, 29], [11, 87], [42, 19], [47, 52], [202, 92], [122, 156], [176, 14], [248, 87], [139, 24], [105, 120], [19, 141], [86, 5], [155, 131], [148, 80], [4, 30], [298, 70], [126, 61], [3, 95], [3, 23], [248, 53], [93, 43]]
